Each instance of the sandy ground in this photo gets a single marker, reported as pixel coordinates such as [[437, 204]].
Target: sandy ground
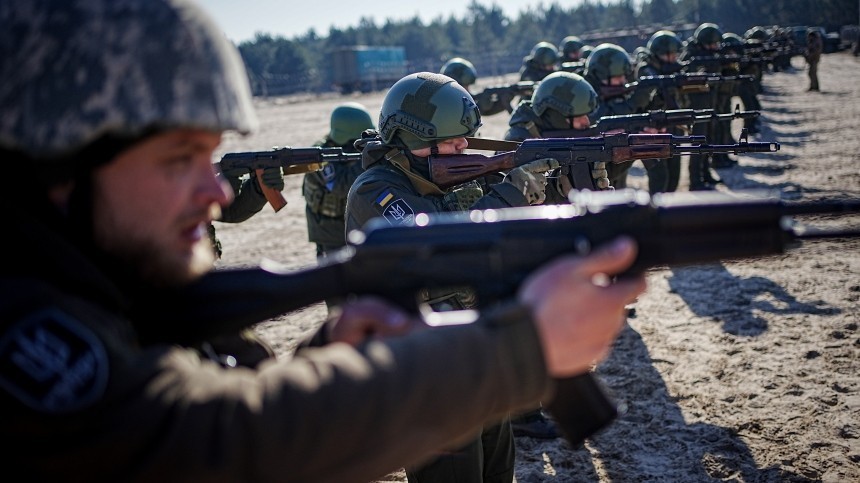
[[742, 371]]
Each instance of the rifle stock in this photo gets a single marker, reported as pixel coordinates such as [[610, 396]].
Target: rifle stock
[[493, 251]]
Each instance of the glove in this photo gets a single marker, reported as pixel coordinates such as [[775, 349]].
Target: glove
[[273, 178], [641, 98], [530, 179]]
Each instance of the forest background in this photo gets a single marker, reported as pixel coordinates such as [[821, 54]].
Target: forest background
[[497, 43]]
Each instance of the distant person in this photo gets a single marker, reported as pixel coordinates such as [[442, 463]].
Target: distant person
[[814, 49], [541, 62], [325, 190]]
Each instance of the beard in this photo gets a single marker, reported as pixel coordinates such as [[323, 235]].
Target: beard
[[152, 261]]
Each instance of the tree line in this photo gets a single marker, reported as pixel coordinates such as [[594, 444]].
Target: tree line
[[497, 43]]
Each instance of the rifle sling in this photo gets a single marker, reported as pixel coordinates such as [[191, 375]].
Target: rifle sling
[[484, 144], [423, 186]]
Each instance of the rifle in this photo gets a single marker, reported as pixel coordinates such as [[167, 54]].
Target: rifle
[[493, 251], [657, 119], [493, 99], [290, 160], [685, 81], [578, 152]]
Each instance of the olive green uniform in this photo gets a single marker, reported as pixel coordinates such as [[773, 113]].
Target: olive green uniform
[[385, 191], [700, 164], [814, 49], [81, 370], [248, 201], [325, 199]]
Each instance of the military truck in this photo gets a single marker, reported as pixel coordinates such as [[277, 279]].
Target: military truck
[[367, 68]]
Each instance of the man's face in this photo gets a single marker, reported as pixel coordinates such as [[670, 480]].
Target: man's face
[[618, 80], [669, 58], [448, 146], [153, 203], [580, 122], [713, 46]]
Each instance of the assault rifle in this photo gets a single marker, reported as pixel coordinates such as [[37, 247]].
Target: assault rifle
[[494, 100], [493, 251], [656, 119], [684, 81], [719, 62], [291, 161], [447, 171]]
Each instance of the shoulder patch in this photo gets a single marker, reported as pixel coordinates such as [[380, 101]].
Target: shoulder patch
[[398, 212], [53, 363]]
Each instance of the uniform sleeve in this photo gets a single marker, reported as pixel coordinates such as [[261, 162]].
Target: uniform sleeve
[[383, 193], [114, 411], [248, 201]]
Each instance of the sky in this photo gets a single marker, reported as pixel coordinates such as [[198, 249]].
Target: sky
[[242, 19]]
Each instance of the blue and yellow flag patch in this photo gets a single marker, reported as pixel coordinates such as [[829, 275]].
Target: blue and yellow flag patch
[[384, 198]]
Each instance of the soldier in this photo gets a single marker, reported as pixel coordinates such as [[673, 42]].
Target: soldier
[[705, 42], [571, 48], [427, 114], [562, 101], [115, 108], [541, 62], [814, 48], [325, 190], [490, 101], [608, 69], [661, 58]]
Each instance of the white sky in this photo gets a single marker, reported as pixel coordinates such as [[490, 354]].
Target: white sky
[[242, 19]]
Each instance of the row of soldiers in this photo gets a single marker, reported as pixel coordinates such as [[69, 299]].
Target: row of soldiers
[[392, 181]]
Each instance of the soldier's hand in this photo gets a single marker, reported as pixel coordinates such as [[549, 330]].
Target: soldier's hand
[[273, 178], [368, 317], [577, 310], [530, 179]]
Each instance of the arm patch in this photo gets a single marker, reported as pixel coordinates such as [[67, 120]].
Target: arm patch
[[52, 363]]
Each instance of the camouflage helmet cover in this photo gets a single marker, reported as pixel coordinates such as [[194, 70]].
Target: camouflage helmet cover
[[461, 70], [348, 121], [608, 60], [544, 53], [425, 107], [564, 92], [708, 33], [756, 33], [76, 70], [570, 44], [664, 42]]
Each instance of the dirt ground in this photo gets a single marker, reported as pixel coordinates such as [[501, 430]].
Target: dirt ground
[[741, 371]]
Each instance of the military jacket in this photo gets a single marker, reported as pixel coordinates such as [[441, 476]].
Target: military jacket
[[325, 198], [87, 397]]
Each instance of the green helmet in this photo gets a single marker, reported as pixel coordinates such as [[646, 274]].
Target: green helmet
[[348, 121], [461, 70], [585, 51], [569, 45], [76, 70], [608, 60], [422, 108], [757, 34], [566, 93], [544, 53], [664, 42], [708, 33], [732, 39]]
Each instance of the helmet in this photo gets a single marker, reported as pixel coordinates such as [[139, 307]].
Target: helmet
[[348, 121], [608, 60], [732, 39], [461, 70], [77, 70], [569, 45], [708, 33], [544, 53], [564, 92], [585, 51], [756, 33], [422, 108], [664, 42]]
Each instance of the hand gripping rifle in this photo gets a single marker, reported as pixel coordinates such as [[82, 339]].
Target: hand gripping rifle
[[493, 251], [660, 119], [579, 153], [290, 160]]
